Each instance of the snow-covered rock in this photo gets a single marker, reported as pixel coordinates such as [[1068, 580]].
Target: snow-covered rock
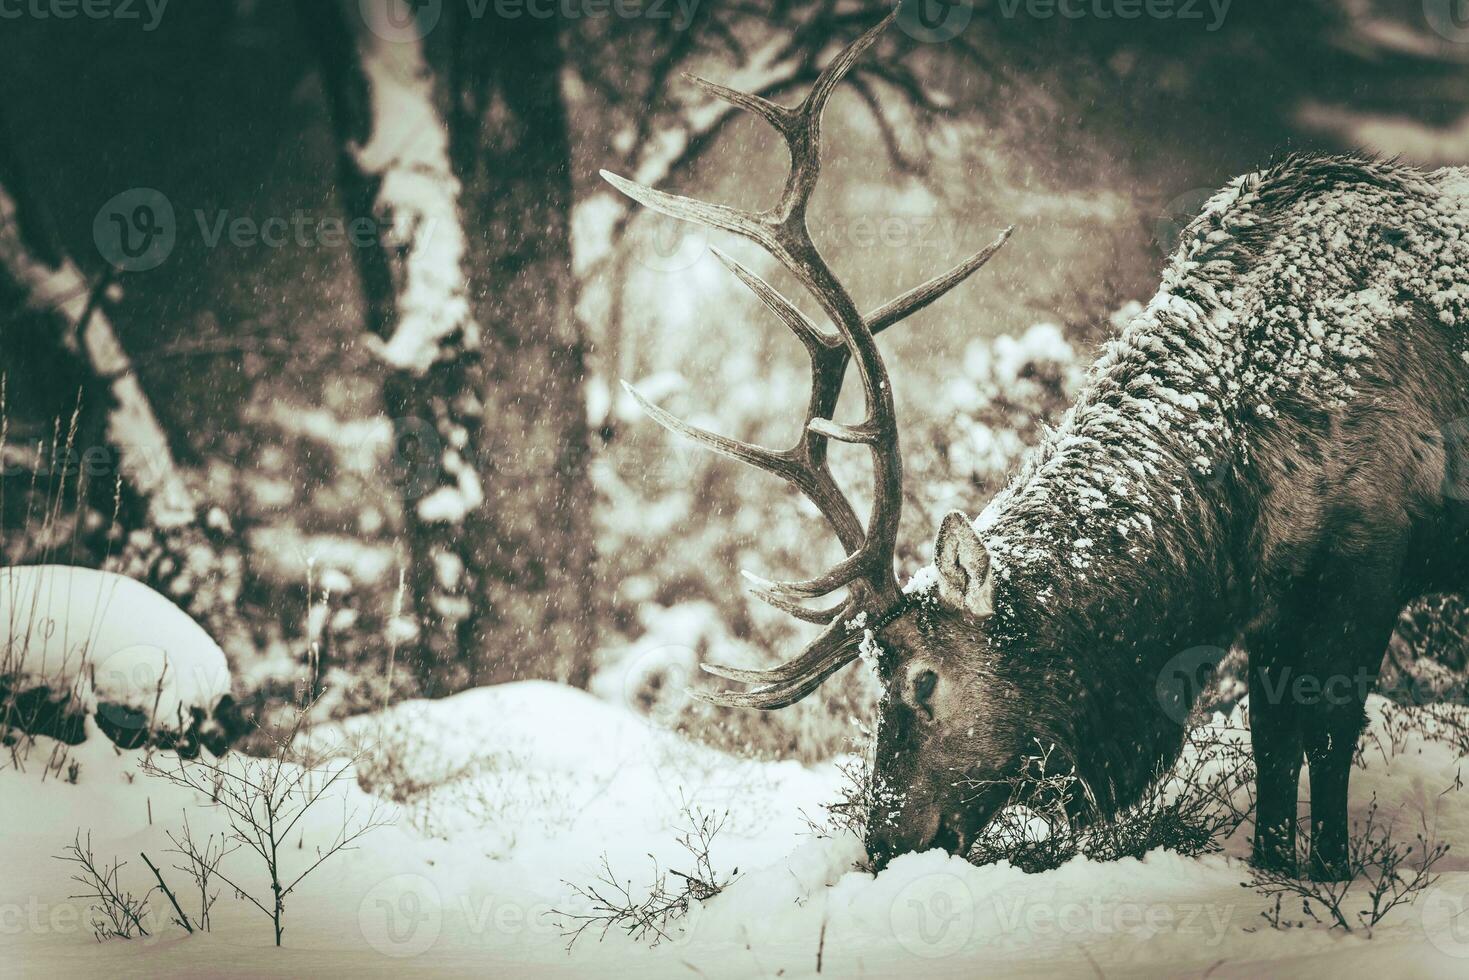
[[83, 647]]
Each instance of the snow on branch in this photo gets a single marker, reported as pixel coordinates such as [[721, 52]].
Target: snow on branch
[[417, 198], [144, 456]]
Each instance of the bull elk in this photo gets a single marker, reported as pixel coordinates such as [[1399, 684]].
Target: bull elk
[[1263, 458]]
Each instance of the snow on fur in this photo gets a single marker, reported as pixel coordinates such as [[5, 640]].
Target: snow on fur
[[1278, 292]]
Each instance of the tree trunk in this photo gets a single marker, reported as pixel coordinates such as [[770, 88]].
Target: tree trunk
[[115, 452], [456, 145], [512, 153]]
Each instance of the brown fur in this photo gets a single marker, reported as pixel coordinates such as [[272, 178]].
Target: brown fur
[[1258, 460]]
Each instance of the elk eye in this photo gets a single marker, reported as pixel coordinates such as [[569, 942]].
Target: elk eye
[[923, 686]]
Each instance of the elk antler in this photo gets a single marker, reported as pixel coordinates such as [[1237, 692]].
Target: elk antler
[[867, 571]]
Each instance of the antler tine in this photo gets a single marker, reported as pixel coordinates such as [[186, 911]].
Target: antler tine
[[757, 456], [780, 694], [793, 246], [832, 75], [813, 337], [835, 648], [845, 572], [803, 134], [917, 298], [687, 209], [836, 639], [794, 466], [864, 434], [821, 617], [784, 595], [867, 569], [779, 116]]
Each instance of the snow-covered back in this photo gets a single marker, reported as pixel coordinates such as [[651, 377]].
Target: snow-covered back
[[1284, 291]]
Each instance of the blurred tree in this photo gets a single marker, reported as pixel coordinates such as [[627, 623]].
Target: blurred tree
[[97, 441], [456, 142], [472, 148], [455, 145]]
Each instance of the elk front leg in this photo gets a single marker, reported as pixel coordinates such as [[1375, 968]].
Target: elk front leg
[[1331, 743], [1276, 743], [1331, 728]]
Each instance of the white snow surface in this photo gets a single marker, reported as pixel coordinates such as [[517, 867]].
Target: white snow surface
[[110, 639], [558, 778]]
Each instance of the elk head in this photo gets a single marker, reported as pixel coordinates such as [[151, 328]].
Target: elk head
[[931, 745]]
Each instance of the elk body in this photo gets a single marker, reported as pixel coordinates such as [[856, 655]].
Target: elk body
[[1267, 457]]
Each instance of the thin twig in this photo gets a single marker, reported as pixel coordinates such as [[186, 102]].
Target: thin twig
[[183, 919]]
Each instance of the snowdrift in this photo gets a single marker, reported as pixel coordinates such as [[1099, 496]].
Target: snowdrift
[[529, 787], [85, 648]]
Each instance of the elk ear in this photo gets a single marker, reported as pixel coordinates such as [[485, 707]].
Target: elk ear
[[963, 566]]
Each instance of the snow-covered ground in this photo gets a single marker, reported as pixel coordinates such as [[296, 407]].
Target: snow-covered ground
[[535, 782]]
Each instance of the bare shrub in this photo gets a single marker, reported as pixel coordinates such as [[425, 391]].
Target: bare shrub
[[201, 864], [116, 912], [500, 788], [264, 801], [1051, 816], [1446, 724], [848, 813], [1037, 830], [1400, 725], [1388, 873], [669, 897], [1193, 809]]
